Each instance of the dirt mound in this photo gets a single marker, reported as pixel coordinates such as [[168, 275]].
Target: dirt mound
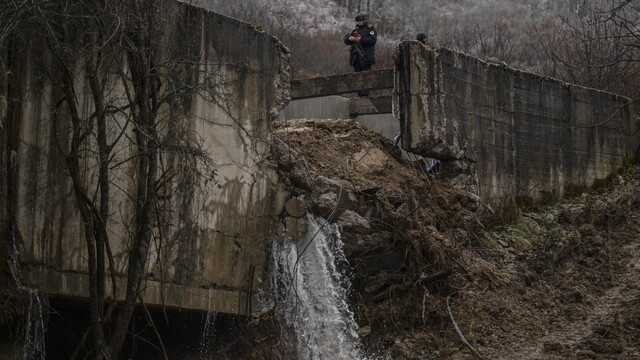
[[560, 282], [577, 289], [348, 174]]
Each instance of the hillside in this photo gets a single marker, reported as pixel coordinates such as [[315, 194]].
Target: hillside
[[547, 37], [561, 282]]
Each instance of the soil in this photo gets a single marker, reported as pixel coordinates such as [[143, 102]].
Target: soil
[[559, 282]]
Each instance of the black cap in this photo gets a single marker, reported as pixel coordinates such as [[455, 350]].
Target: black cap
[[421, 36], [362, 16]]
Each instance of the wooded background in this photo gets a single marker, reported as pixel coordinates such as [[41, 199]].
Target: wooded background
[[593, 43]]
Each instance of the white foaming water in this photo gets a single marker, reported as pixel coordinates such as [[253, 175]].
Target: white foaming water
[[208, 331], [309, 289], [34, 331], [33, 346]]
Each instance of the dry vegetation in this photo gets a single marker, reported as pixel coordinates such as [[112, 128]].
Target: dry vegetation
[[560, 282], [589, 42]]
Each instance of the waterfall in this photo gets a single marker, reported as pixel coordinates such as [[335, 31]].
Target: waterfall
[[33, 346], [34, 331], [309, 288], [208, 331]]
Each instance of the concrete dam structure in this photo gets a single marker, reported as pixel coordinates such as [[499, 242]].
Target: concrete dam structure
[[510, 134], [209, 238], [507, 135]]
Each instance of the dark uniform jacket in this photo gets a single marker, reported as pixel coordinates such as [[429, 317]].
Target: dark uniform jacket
[[364, 53]]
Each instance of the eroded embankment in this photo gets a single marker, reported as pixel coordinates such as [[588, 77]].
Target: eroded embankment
[[559, 282]]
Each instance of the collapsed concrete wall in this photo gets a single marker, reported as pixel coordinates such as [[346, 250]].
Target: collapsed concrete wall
[[337, 107], [211, 247], [518, 136]]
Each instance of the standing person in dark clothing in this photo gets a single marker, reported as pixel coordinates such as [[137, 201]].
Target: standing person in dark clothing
[[422, 37], [362, 41]]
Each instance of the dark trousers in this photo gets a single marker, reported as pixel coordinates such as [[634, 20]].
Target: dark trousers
[[357, 67]]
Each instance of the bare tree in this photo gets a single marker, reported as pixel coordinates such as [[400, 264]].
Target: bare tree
[[110, 45], [496, 39], [599, 48]]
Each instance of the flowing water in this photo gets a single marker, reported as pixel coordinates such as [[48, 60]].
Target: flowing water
[[310, 285], [34, 330], [33, 346], [207, 340]]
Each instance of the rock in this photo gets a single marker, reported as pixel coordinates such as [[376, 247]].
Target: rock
[[353, 222], [300, 173], [521, 244], [326, 203], [323, 184], [331, 205], [364, 331], [280, 199], [296, 207], [472, 202]]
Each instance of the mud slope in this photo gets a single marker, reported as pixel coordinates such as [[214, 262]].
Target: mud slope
[[560, 282]]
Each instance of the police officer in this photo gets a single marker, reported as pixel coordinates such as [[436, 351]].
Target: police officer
[[362, 41]]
